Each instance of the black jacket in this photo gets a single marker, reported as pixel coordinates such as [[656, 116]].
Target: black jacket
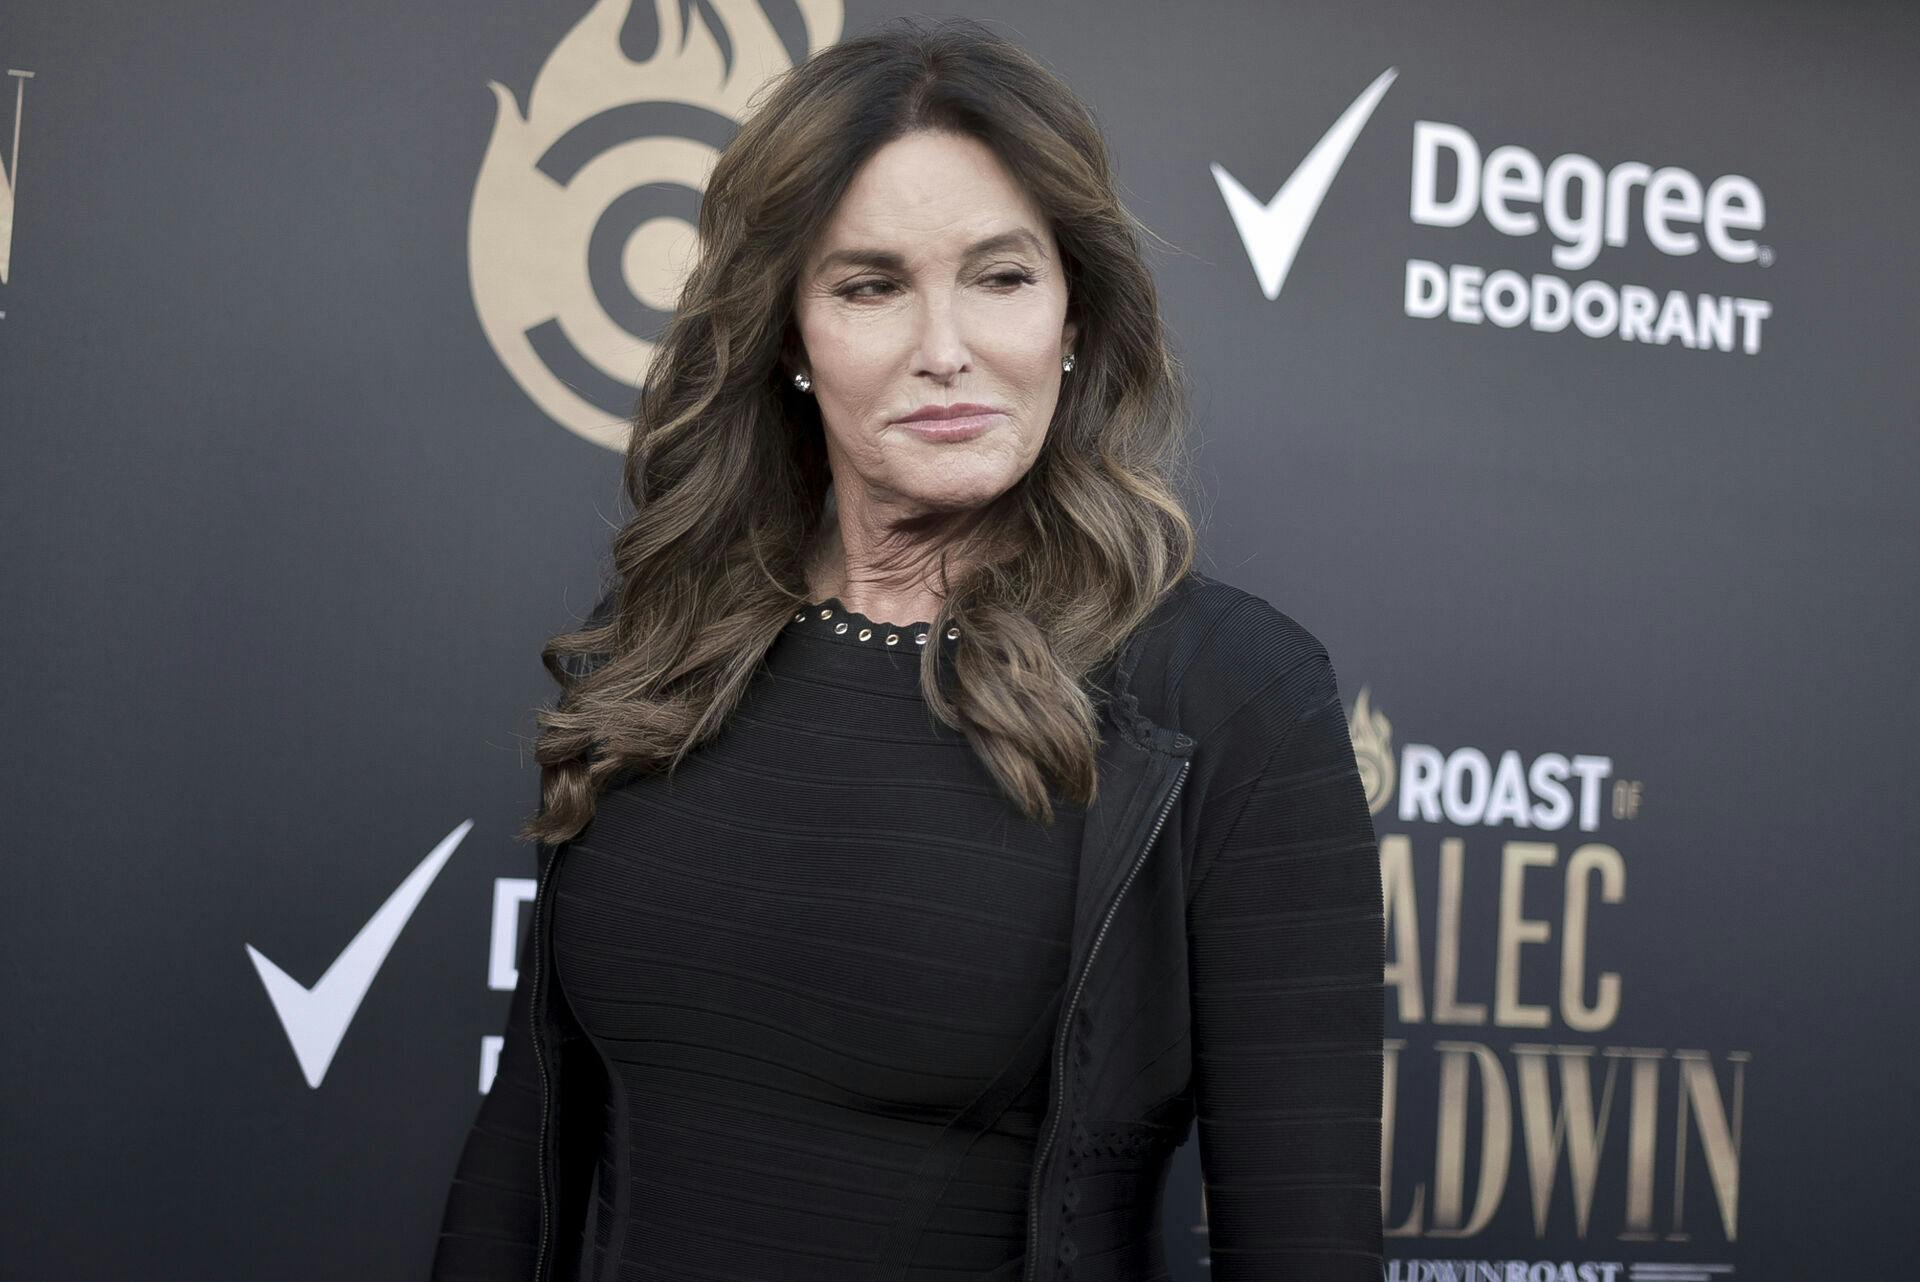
[[1226, 963]]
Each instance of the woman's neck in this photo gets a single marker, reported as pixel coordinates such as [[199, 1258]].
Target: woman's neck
[[891, 574]]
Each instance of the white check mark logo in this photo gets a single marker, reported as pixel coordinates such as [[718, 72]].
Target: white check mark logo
[[316, 1018], [1272, 232]]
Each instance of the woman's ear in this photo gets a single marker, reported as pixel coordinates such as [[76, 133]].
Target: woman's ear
[[1069, 336], [793, 357]]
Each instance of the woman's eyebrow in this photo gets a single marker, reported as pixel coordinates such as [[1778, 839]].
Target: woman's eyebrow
[[886, 260]]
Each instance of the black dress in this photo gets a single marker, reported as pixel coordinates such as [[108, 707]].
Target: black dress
[[798, 960]]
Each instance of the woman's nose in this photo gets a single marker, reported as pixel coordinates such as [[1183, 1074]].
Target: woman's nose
[[941, 348]]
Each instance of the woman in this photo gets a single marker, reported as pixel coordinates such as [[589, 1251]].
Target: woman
[[923, 843]]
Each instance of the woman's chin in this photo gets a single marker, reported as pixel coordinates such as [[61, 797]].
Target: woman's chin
[[946, 496]]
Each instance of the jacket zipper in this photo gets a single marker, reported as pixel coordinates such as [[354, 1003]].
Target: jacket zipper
[[1066, 1022], [540, 1059]]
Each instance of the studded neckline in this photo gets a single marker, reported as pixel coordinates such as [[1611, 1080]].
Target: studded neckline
[[833, 621]]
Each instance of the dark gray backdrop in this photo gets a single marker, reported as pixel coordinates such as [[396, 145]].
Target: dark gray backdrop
[[288, 536]]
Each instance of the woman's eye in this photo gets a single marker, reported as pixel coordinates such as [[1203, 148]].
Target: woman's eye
[[1008, 279]]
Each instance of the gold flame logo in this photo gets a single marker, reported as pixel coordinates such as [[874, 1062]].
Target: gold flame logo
[[1372, 736], [586, 205]]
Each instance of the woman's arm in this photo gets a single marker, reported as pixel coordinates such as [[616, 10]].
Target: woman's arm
[[490, 1228], [1286, 957]]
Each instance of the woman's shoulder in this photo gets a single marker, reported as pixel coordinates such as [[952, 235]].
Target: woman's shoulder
[[1209, 628], [1214, 649]]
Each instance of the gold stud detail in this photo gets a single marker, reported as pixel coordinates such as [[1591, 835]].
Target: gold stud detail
[[892, 637], [921, 639], [953, 634], [799, 616], [865, 633], [826, 614], [840, 626]]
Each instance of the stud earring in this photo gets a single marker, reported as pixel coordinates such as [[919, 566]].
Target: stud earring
[[1066, 363], [802, 382]]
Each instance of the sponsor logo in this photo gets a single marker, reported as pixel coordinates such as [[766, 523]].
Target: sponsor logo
[[1552, 1271], [503, 950], [1472, 787], [1272, 231], [10, 176], [316, 1018], [1584, 207], [586, 203], [1510, 1019], [1586, 210]]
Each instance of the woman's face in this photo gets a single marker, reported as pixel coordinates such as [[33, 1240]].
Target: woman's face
[[935, 283]]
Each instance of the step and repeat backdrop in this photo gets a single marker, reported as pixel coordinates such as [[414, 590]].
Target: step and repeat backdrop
[[1556, 365]]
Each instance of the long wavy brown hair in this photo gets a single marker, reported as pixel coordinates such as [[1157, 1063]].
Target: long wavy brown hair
[[727, 468]]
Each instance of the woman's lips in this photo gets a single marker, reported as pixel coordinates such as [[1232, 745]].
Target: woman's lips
[[951, 429]]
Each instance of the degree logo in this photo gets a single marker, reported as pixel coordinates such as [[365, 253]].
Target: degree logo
[[315, 1019], [1272, 231]]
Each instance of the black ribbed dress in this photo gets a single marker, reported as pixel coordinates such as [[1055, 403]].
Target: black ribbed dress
[[798, 959]]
